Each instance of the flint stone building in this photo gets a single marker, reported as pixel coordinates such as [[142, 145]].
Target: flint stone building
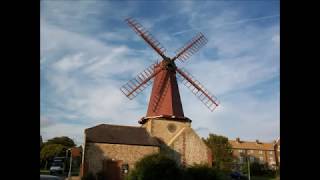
[[114, 149]]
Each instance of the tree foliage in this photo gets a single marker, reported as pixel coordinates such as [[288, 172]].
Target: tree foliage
[[221, 151], [65, 141], [51, 150], [54, 147]]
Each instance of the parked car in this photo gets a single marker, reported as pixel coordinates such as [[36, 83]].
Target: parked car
[[238, 175], [57, 168], [50, 177]]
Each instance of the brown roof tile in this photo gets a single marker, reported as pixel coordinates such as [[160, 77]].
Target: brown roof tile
[[115, 134], [251, 145]]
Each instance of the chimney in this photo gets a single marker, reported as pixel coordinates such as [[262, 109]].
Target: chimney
[[238, 140], [257, 141]]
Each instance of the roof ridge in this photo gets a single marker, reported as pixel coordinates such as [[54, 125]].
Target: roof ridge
[[115, 125], [241, 141]]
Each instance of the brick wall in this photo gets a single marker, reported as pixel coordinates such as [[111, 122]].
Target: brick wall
[[262, 156]]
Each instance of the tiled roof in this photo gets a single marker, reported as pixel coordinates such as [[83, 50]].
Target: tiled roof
[[115, 134], [251, 145]]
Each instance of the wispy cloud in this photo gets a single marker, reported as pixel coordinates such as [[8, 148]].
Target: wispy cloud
[[87, 54], [225, 24]]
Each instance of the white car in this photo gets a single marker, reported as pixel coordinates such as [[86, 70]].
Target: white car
[[57, 168], [49, 177]]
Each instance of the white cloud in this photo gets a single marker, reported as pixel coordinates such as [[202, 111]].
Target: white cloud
[[46, 122], [74, 131], [84, 71]]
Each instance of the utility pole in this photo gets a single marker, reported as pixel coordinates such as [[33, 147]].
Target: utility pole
[[69, 174], [248, 167]]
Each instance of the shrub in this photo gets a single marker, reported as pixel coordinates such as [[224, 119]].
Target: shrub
[[101, 175], [88, 176], [156, 167], [257, 169], [202, 172]]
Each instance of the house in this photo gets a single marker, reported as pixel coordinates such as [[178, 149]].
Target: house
[[111, 147], [255, 151], [277, 150]]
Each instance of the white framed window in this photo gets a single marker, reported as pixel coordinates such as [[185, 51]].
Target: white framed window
[[240, 151], [261, 159], [260, 152], [270, 152], [251, 151], [241, 159]]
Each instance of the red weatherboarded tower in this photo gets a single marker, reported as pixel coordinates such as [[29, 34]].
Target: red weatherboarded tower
[[165, 98]]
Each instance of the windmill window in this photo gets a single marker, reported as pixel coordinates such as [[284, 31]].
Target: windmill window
[[172, 127]]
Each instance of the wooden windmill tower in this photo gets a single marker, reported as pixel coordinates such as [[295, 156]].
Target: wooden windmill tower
[[165, 118], [165, 97]]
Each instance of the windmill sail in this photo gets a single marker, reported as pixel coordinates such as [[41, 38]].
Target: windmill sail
[[165, 98], [190, 47], [147, 36], [198, 89], [132, 88]]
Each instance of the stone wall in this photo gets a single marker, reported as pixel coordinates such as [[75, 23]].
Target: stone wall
[[181, 142], [192, 149], [95, 153], [159, 128]]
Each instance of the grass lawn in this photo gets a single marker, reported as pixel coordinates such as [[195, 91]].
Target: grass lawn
[[42, 171]]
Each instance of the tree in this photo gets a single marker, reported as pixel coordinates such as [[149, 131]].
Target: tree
[[49, 151], [221, 151], [54, 147], [65, 141]]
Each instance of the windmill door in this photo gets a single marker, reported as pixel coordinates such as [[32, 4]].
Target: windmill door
[[112, 169]]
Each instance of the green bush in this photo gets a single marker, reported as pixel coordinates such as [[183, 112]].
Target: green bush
[[88, 176], [202, 172], [101, 175], [161, 167], [156, 167], [257, 169]]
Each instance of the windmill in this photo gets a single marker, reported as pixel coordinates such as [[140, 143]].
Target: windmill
[[165, 97]]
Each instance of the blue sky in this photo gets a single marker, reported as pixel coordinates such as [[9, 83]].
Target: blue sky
[[88, 52]]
